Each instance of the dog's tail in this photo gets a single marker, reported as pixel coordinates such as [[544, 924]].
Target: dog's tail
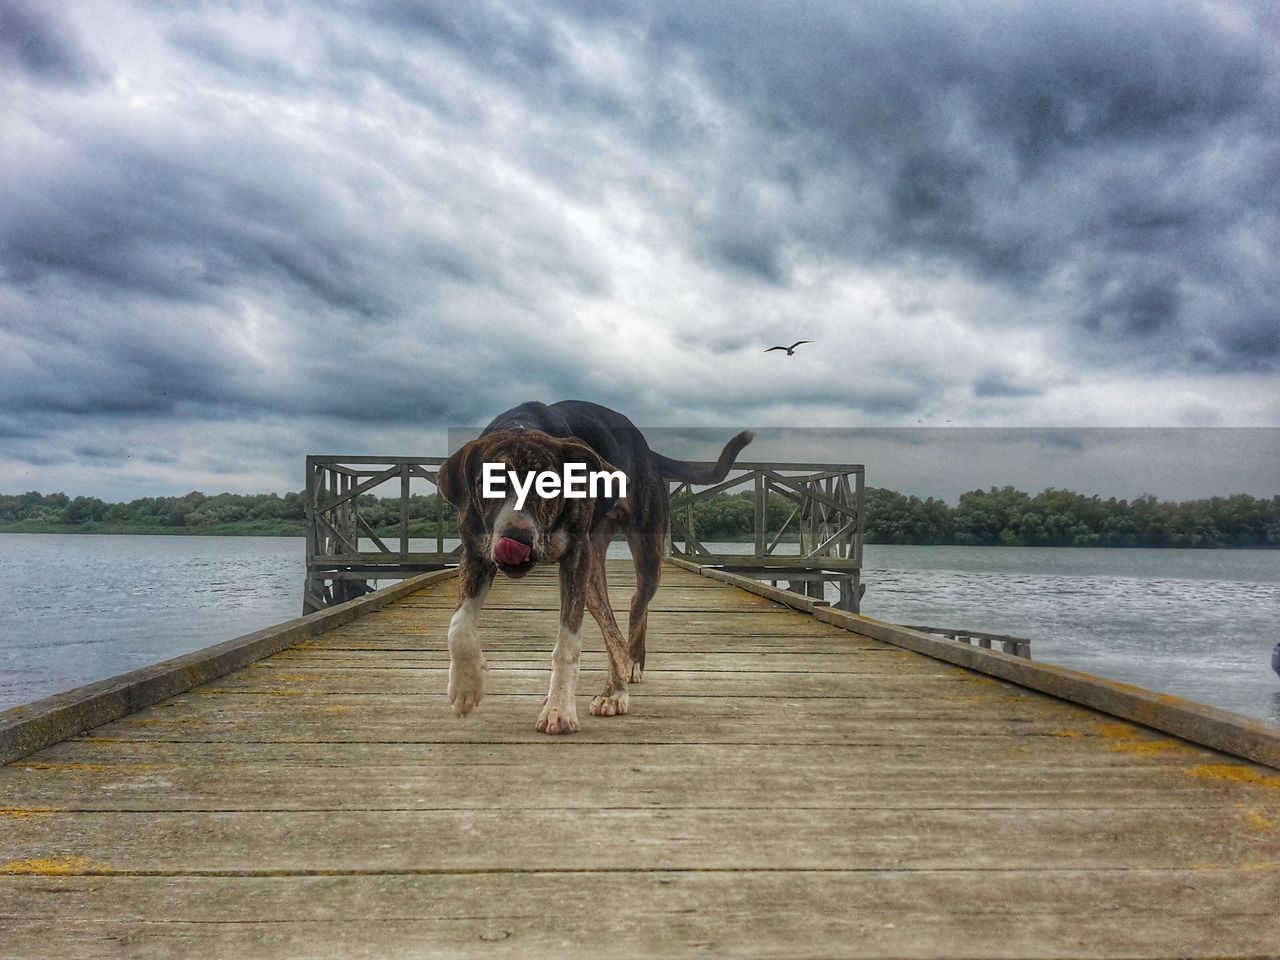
[[680, 470]]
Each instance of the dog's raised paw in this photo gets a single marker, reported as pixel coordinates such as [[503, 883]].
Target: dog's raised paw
[[555, 719], [637, 671], [466, 686], [609, 706]]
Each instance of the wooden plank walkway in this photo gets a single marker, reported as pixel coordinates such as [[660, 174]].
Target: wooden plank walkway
[[782, 788]]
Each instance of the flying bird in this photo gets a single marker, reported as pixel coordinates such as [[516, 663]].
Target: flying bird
[[791, 349]]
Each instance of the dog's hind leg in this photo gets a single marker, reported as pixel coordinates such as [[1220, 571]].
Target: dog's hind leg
[[614, 700], [646, 553], [466, 661]]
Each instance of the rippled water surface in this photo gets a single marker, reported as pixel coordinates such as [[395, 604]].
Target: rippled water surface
[[75, 608], [1197, 623], [1200, 624]]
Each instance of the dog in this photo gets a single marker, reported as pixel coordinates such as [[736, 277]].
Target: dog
[[571, 532]]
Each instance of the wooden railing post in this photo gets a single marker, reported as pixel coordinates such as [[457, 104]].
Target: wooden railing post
[[312, 588], [404, 509], [666, 540], [761, 514]]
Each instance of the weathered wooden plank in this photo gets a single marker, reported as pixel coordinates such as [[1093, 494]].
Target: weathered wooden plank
[[768, 618], [586, 782], [495, 631], [1027, 736], [636, 838], [667, 602], [509, 719], [975, 703], [504, 677], [927, 914], [549, 608], [970, 750], [993, 896], [864, 661], [531, 643], [496, 628]]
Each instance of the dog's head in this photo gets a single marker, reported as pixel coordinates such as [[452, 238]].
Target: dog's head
[[545, 527]]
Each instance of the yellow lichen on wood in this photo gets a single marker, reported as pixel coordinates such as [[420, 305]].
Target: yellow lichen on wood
[[1145, 748], [1125, 737], [27, 813], [1116, 731], [1258, 821], [1235, 772], [46, 867]]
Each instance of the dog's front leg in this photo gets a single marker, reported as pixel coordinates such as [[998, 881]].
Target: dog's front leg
[[614, 701], [466, 661], [560, 710]]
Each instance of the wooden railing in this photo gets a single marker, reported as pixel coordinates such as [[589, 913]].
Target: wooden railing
[[825, 526], [819, 542], [338, 569]]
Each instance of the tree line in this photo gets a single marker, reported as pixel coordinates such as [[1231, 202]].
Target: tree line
[[998, 516], [1006, 516]]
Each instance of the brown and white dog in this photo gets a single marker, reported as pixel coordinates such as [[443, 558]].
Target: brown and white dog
[[574, 533]]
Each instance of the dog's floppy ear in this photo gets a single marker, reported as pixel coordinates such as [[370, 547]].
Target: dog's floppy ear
[[575, 451], [457, 476]]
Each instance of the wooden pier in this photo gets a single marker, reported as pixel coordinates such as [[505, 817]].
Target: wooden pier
[[786, 785]]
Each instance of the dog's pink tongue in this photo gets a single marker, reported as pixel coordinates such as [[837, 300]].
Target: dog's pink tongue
[[511, 552]]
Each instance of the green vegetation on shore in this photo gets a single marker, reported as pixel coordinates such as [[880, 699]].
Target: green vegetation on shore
[[1060, 518], [999, 516]]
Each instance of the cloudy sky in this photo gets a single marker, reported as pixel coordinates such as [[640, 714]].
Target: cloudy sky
[[234, 233]]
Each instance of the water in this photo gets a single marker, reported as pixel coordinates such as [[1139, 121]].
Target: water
[[1197, 623], [74, 608], [1200, 624]]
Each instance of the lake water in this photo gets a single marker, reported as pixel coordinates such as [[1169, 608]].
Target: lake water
[[1197, 623]]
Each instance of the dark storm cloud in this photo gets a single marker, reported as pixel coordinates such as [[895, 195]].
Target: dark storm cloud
[[523, 47], [1000, 138], [184, 220], [996, 383], [36, 40], [520, 47], [756, 256], [106, 454]]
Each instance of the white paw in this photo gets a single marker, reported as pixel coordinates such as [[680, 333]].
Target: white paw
[[637, 671], [466, 685], [558, 718], [614, 706]]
